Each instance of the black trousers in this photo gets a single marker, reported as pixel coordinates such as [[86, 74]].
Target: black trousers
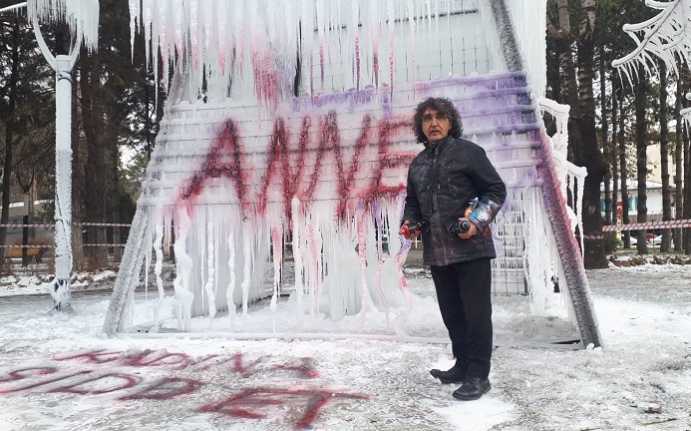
[[464, 292]]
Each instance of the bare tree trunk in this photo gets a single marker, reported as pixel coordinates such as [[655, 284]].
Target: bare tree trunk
[[8, 162], [613, 156], [553, 73], [605, 137], [592, 158], [664, 159], [679, 162], [687, 192], [641, 160], [77, 180], [95, 170], [624, 174]]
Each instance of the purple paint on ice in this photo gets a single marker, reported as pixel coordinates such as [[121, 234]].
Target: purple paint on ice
[[351, 98]]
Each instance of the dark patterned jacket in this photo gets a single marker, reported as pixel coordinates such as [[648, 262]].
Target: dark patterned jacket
[[442, 182]]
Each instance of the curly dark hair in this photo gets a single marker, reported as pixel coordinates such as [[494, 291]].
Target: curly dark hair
[[442, 105]]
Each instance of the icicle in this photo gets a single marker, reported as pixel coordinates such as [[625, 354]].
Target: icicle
[[167, 41], [211, 275], [147, 16], [202, 255], [147, 266], [319, 245], [277, 246], [135, 20], [183, 294], [158, 269], [356, 36], [230, 291], [314, 262], [379, 258], [392, 45], [155, 31], [362, 223], [247, 261], [297, 252], [411, 40], [400, 249], [81, 16]]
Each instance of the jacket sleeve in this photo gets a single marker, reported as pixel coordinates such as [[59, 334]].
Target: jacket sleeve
[[491, 190], [412, 205]]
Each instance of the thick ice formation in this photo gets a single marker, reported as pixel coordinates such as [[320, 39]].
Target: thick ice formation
[[665, 36], [297, 147], [81, 15], [258, 45], [324, 180]]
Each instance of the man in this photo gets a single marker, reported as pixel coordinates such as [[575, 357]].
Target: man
[[454, 193]]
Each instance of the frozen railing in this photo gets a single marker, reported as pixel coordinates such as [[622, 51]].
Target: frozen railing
[[572, 177]]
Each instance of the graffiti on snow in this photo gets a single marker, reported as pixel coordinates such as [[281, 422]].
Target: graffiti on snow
[[103, 372]]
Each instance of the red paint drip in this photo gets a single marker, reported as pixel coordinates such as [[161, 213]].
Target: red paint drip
[[329, 141], [375, 68], [279, 152], [375, 190], [266, 78], [347, 185], [357, 62], [227, 144], [321, 63], [391, 69]]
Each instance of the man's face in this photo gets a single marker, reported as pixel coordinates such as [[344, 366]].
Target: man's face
[[435, 124]]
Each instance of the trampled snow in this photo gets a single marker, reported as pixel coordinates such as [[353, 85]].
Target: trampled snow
[[378, 384]]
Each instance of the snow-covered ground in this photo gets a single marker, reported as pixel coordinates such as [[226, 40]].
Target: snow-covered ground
[[11, 285], [641, 380]]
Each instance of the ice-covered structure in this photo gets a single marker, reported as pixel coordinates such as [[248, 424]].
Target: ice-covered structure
[[284, 150], [666, 36]]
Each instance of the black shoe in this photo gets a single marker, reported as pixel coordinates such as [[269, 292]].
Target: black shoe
[[472, 389], [455, 374]]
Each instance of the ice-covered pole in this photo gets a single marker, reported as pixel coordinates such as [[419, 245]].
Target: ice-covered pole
[[63, 181], [82, 16]]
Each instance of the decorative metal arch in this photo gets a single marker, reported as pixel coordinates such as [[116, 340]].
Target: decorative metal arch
[[665, 36]]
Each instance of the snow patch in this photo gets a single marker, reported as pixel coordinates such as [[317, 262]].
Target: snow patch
[[12, 285], [479, 415]]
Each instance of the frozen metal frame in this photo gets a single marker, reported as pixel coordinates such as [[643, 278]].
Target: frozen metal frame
[[665, 36]]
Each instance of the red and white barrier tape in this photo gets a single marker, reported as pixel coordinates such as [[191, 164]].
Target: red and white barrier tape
[[53, 246], [670, 224], [52, 226], [27, 246]]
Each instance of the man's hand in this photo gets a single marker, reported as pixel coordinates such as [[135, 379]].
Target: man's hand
[[409, 230], [471, 232]]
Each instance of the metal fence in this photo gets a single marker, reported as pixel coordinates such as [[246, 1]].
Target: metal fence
[[30, 247]]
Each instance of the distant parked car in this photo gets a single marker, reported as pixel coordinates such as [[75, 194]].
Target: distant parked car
[[651, 239]]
